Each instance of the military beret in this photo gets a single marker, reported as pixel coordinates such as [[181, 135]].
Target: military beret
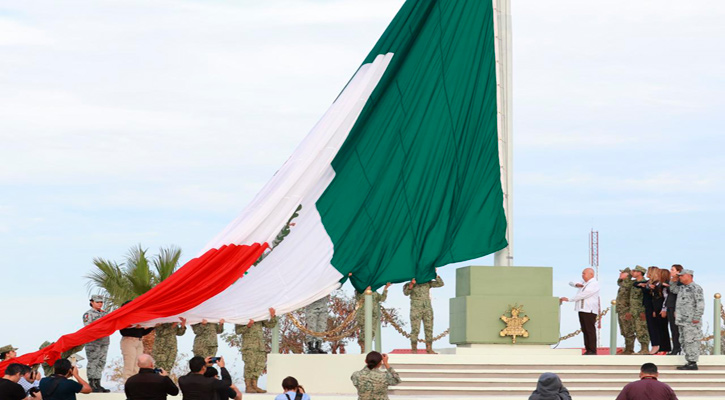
[[627, 270], [640, 269], [686, 272], [97, 297], [7, 348]]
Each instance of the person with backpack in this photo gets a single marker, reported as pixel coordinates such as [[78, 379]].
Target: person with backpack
[[292, 390]]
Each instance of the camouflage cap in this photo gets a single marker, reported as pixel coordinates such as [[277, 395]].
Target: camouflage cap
[[45, 344], [627, 270], [97, 297], [686, 272], [640, 269], [7, 348]]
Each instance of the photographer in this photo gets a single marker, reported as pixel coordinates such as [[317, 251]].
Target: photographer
[[196, 386], [10, 389], [231, 392], [149, 383], [59, 387], [29, 378]]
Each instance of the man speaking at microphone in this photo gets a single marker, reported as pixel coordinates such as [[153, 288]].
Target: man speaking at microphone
[[586, 302]]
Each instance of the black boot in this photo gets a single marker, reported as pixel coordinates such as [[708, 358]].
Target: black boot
[[691, 365], [318, 347], [92, 384], [101, 389], [311, 348]]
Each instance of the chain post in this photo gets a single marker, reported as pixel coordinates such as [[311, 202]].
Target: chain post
[[368, 320], [378, 336], [275, 338], [613, 329], [717, 322]]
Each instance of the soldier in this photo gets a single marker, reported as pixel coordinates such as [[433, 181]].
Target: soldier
[[47, 368], [205, 341], [626, 326], [96, 350], [316, 316], [372, 381], [636, 312], [165, 346], [254, 350], [8, 352], [421, 309], [360, 317], [688, 315]]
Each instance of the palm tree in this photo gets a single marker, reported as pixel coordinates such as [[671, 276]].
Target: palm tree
[[123, 282]]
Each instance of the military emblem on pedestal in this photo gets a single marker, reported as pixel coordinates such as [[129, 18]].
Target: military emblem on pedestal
[[514, 323]]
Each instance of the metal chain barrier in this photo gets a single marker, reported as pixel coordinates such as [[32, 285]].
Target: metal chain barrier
[[578, 331], [400, 330], [334, 333]]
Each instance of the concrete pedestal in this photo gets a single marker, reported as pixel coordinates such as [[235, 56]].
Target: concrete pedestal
[[484, 294]]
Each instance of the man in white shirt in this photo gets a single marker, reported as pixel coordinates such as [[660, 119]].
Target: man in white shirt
[[587, 304]]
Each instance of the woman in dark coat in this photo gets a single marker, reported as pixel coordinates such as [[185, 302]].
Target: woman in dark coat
[[550, 387]]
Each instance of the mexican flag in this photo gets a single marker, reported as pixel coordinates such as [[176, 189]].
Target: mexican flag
[[401, 175]]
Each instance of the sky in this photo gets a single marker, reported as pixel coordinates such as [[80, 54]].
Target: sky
[[155, 122]]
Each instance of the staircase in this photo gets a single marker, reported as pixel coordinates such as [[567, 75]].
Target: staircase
[[590, 377]]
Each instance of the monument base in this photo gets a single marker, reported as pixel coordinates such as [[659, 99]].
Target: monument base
[[485, 294]]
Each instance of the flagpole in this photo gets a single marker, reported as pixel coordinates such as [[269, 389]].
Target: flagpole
[[504, 65]]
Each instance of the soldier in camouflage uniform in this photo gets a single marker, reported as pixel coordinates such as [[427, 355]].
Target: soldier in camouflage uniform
[[372, 382], [316, 316], [626, 326], [360, 317], [254, 350], [165, 345], [205, 341], [421, 309], [97, 350], [688, 315], [636, 312], [47, 368]]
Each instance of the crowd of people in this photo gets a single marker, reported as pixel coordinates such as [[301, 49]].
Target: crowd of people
[[657, 306]]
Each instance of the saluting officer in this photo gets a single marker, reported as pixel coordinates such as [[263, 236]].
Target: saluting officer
[[97, 350], [690, 307]]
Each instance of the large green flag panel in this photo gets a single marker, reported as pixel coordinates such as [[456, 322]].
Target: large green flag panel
[[417, 182]]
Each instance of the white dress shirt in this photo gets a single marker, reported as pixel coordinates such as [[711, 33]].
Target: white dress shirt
[[587, 298]]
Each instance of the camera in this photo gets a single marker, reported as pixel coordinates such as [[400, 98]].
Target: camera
[[214, 360], [157, 370]]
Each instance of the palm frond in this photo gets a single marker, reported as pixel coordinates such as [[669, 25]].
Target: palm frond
[[166, 262], [108, 278], [138, 272]]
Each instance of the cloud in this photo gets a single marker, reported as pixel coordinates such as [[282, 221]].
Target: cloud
[[15, 33]]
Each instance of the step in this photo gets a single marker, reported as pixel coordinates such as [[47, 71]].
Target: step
[[668, 375], [575, 391], [528, 383]]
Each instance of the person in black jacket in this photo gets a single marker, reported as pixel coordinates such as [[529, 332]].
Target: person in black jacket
[[670, 309], [196, 386], [659, 298], [231, 392], [149, 384]]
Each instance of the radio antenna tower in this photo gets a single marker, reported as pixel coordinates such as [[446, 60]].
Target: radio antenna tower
[[594, 263]]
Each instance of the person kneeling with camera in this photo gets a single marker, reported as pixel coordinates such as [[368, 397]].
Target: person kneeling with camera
[[150, 383], [196, 386]]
